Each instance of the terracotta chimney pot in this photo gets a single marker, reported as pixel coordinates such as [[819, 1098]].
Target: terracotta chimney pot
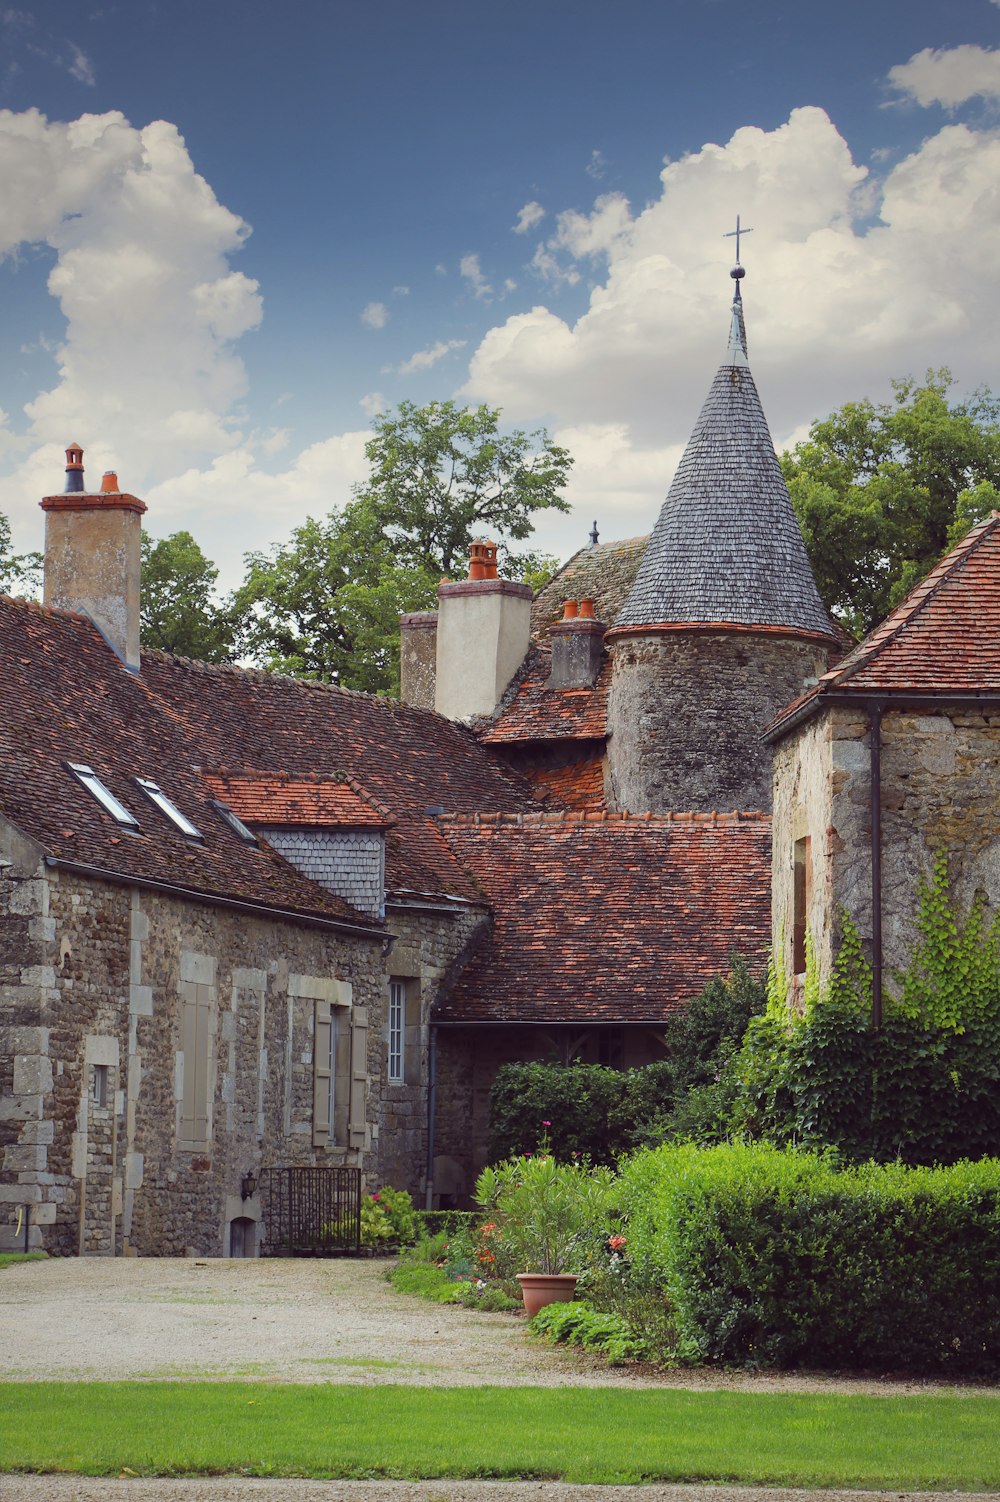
[[570, 610], [586, 610], [109, 484]]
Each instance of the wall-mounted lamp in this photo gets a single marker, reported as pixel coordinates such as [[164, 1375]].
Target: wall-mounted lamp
[[248, 1187]]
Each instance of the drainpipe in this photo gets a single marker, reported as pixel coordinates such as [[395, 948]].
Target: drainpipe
[[875, 751], [431, 1110]]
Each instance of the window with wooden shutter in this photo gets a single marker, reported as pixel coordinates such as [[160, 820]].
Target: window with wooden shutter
[[357, 1120], [196, 1039], [324, 1074]]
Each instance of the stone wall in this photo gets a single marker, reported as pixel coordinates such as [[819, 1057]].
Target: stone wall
[[940, 790], [686, 710], [349, 862], [97, 976]]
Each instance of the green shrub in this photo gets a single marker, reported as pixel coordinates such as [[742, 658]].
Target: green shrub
[[588, 1111], [544, 1216], [780, 1258], [577, 1324], [388, 1218]]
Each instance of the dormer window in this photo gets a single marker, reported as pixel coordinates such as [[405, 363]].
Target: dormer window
[[173, 813], [236, 824], [105, 797]]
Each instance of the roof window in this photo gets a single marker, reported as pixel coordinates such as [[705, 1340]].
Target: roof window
[[105, 797], [236, 824], [171, 810]]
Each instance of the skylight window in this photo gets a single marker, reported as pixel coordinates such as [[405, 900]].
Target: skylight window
[[105, 797], [171, 810], [236, 824]]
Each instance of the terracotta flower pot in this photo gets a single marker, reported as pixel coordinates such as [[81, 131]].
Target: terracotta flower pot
[[539, 1289]]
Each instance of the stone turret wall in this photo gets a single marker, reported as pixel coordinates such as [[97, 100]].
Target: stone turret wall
[[686, 710]]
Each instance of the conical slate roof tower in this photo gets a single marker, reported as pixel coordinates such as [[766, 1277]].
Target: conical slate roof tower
[[724, 624]]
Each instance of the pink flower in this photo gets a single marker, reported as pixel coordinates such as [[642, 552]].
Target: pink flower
[[546, 1123]]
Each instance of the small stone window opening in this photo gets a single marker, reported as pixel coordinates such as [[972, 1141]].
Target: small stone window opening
[[99, 1085], [801, 895]]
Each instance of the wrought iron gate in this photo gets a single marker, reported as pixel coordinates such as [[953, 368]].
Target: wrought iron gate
[[310, 1212]]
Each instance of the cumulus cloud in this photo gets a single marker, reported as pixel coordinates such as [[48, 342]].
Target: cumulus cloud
[[143, 279], [372, 404], [375, 315], [847, 287], [949, 75], [531, 214], [425, 358]]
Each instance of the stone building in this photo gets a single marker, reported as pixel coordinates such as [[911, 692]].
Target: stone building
[[248, 921], [893, 756]]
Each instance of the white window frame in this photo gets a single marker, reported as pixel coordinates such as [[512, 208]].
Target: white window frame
[[397, 1024], [163, 803], [89, 779]]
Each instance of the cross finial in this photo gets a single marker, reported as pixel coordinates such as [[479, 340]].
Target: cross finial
[[737, 232]]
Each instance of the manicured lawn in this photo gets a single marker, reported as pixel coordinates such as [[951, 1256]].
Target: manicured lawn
[[580, 1434]]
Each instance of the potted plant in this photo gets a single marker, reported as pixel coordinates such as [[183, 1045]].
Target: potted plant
[[553, 1213]]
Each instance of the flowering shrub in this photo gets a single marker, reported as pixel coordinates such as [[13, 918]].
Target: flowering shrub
[[550, 1216], [388, 1217]]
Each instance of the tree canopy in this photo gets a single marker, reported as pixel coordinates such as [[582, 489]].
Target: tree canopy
[[882, 489], [178, 610], [20, 573], [326, 604]]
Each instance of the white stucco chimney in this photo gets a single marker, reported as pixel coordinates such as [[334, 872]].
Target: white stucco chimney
[[484, 627]]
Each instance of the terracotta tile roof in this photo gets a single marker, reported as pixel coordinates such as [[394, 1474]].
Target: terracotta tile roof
[[604, 573], [279, 800], [65, 697], [531, 711], [944, 638], [580, 784], [572, 896]]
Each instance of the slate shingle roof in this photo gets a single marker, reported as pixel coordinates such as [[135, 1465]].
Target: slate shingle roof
[[726, 548], [604, 574], [944, 638], [64, 696], [606, 917]]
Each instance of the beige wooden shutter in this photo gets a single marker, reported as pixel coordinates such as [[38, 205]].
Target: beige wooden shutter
[[201, 1063], [357, 1128], [322, 1074], [189, 1045]]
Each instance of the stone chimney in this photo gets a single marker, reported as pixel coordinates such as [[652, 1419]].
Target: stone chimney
[[92, 555], [484, 627], [418, 658], [577, 646]]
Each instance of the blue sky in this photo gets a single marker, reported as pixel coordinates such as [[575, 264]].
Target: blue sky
[[233, 231]]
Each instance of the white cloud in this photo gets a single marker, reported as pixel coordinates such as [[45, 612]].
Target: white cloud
[[372, 404], [597, 166], [471, 270], [949, 75], [836, 304], [80, 67], [400, 291], [425, 358], [375, 315], [532, 213]]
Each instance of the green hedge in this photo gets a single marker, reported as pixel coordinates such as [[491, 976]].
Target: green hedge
[[780, 1258], [599, 1113]]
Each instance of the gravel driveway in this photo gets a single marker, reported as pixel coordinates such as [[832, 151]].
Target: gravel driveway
[[305, 1321]]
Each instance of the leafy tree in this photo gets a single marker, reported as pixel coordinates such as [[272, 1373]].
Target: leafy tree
[[881, 490], [440, 473], [179, 613], [20, 573], [326, 604]]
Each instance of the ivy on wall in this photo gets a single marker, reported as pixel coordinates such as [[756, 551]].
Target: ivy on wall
[[923, 1089]]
